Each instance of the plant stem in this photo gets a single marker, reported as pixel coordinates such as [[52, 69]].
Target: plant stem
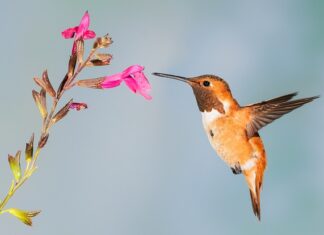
[[46, 125], [79, 69]]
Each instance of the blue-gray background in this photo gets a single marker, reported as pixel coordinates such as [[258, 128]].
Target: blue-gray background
[[127, 166]]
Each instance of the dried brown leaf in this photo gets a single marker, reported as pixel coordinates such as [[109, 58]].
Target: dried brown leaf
[[100, 60], [39, 82], [62, 112], [102, 42], [47, 84], [43, 140], [80, 50], [35, 95], [72, 63], [61, 87], [91, 83], [67, 77], [40, 103]]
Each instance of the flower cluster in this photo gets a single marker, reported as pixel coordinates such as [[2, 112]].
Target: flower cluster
[[133, 77]]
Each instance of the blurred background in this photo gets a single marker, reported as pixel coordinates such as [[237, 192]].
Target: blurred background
[[127, 166]]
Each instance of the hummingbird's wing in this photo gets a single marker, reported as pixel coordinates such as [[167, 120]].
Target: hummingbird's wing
[[265, 112]]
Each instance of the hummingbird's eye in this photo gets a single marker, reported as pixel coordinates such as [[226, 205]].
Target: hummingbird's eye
[[206, 83]]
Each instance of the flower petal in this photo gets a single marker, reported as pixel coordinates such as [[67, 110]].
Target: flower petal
[[83, 26], [131, 83], [70, 32], [110, 84], [112, 81], [134, 79], [89, 34], [132, 69], [144, 87], [78, 106]]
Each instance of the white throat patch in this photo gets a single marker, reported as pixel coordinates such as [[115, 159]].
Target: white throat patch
[[209, 117]]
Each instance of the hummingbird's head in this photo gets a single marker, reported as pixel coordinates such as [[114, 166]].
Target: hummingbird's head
[[210, 91]]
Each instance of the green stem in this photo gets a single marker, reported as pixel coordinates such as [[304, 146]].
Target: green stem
[[16, 185]]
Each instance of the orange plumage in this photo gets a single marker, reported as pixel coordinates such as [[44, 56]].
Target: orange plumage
[[232, 129]]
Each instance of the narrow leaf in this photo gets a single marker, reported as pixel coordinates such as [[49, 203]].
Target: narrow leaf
[[61, 87], [72, 63], [66, 79], [39, 82], [62, 112], [29, 149], [35, 96], [80, 50], [23, 216], [91, 83], [14, 163], [42, 96], [43, 140], [47, 84], [100, 60], [38, 101], [102, 42]]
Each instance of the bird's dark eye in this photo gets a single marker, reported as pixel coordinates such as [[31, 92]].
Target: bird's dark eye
[[206, 83]]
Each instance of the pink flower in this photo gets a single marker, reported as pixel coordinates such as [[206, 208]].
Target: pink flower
[[80, 32], [78, 106], [134, 78]]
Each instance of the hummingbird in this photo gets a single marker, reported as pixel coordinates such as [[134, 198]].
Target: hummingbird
[[232, 130]]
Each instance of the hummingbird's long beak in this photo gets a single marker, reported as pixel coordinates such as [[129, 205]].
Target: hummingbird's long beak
[[183, 79]]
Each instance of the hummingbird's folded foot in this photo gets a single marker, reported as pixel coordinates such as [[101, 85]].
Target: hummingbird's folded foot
[[236, 169]]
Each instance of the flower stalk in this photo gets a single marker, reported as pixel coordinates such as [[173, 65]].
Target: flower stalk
[[48, 121]]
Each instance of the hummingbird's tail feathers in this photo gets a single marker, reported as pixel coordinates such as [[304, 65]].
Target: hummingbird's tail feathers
[[254, 173], [266, 112], [255, 199], [254, 180]]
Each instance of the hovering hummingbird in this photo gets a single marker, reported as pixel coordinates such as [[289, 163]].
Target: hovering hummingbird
[[232, 129]]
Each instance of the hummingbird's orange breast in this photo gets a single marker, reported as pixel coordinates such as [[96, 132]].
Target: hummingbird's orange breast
[[228, 137]]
